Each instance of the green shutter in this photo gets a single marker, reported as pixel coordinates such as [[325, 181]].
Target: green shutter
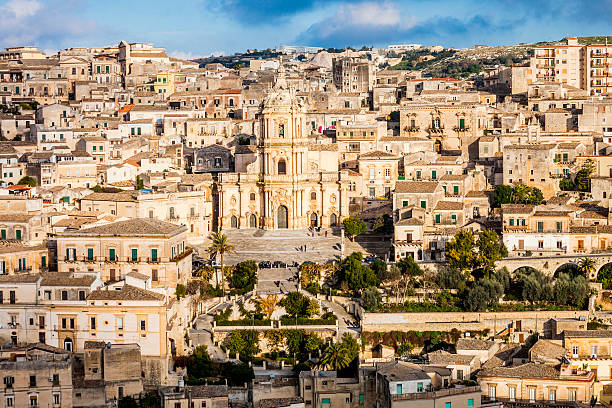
[[3, 232], [404, 203], [154, 254], [90, 254], [434, 174], [111, 254], [423, 204], [437, 218], [43, 261], [18, 235], [134, 255], [398, 389], [456, 190], [512, 222]]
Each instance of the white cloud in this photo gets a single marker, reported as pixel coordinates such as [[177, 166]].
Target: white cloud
[[22, 8], [184, 55], [369, 13]]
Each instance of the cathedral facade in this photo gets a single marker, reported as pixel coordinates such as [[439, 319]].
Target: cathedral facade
[[285, 183]]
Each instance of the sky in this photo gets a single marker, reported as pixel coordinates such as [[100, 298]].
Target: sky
[[197, 28]]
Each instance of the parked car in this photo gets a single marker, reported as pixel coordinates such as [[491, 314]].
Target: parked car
[[370, 259], [279, 264], [215, 264], [265, 265]]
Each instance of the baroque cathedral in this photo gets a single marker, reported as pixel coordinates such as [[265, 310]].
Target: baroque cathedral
[[284, 182]]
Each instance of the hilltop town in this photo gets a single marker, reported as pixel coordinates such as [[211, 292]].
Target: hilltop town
[[398, 227]]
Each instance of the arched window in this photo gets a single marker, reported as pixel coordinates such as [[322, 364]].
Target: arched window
[[68, 344], [281, 130], [313, 196], [234, 221], [252, 196], [282, 167], [171, 213]]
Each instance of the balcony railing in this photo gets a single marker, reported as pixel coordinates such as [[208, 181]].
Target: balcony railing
[[412, 129], [461, 129], [437, 131]]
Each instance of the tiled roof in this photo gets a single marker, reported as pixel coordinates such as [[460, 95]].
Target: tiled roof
[[117, 197], [449, 206], [517, 208], [416, 186], [473, 344], [532, 146], [133, 227], [377, 155], [207, 391], [446, 358], [127, 292], [528, 370], [409, 221], [453, 177], [402, 371], [588, 333], [66, 279], [20, 278]]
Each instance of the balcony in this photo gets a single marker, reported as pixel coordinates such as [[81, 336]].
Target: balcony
[[436, 131], [411, 129], [461, 129], [193, 216]]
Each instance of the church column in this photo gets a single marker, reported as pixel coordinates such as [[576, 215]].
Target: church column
[[220, 211]]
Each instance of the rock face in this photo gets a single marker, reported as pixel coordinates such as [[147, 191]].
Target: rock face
[[322, 59]]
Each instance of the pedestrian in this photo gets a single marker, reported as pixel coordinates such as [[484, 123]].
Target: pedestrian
[[325, 233]]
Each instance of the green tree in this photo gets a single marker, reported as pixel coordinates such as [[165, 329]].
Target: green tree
[[27, 180], [383, 224], [503, 194], [355, 274], [199, 364], [587, 267], [477, 299], [220, 246], [371, 298], [334, 358], [139, 183], [379, 267], [451, 278], [181, 290], [244, 276], [409, 267], [312, 343], [566, 184], [491, 249], [127, 402], [605, 276], [583, 176], [244, 342], [298, 305], [460, 250], [237, 373], [354, 226]]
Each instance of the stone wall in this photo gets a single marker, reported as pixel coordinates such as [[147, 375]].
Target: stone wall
[[495, 322]]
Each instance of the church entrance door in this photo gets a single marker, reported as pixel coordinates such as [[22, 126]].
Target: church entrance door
[[282, 217], [313, 220]]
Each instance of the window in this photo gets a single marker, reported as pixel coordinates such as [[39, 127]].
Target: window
[[9, 381], [10, 401], [313, 196], [512, 222], [434, 174], [154, 255], [540, 226], [559, 226], [325, 401], [447, 405], [33, 400], [17, 233], [111, 254], [372, 173], [143, 325], [134, 255], [460, 374], [532, 394], [64, 295], [572, 394], [420, 387], [90, 255], [454, 218], [470, 402], [92, 323], [418, 174], [56, 398], [423, 204], [282, 167], [404, 203], [154, 276], [593, 351], [32, 381], [120, 323], [580, 244], [387, 172], [438, 218], [575, 351], [540, 244], [399, 389], [492, 393], [552, 395], [456, 190], [252, 196]]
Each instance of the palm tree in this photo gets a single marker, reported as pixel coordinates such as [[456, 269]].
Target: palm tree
[[220, 246], [586, 266], [335, 357]]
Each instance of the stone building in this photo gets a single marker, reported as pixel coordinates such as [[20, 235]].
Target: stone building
[[288, 185], [147, 246]]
